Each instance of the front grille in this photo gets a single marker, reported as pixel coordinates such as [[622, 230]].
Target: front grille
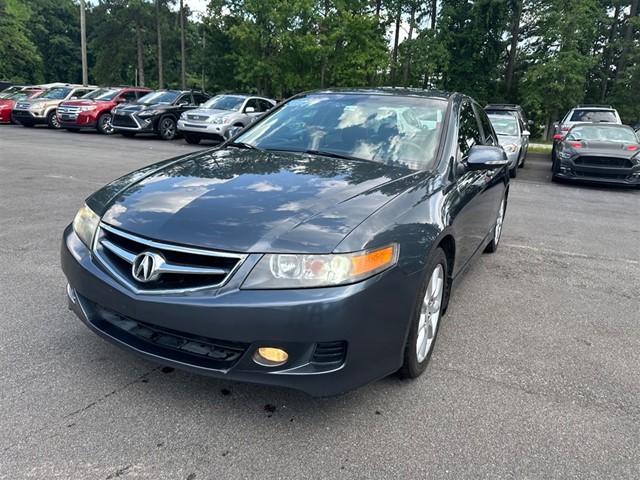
[[124, 120], [327, 353], [601, 175], [180, 268], [68, 110], [603, 162], [22, 106], [164, 342], [197, 118], [19, 113]]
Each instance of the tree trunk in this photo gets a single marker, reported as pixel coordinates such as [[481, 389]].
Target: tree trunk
[[396, 42], [515, 32], [183, 58], [407, 61], [140, 53], [160, 71], [628, 33], [434, 13]]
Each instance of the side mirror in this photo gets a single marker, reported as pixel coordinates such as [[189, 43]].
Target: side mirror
[[73, 97], [184, 103], [249, 110], [526, 133], [121, 100], [483, 157]]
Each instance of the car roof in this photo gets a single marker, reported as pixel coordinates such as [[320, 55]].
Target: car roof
[[397, 91]]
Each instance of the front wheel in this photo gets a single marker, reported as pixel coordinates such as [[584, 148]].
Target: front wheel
[[104, 124], [425, 320], [167, 128], [497, 229], [52, 120], [513, 172]]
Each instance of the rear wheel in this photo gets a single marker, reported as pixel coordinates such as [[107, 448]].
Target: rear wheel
[[426, 316], [104, 124], [167, 128], [52, 120], [497, 229]]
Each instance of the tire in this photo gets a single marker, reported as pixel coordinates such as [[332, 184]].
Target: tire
[[425, 319], [497, 228], [128, 134], [555, 168], [104, 124], [192, 140], [513, 172], [167, 128], [523, 159], [52, 120]]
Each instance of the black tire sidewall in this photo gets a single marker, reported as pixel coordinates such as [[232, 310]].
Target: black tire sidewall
[[161, 130], [411, 368]]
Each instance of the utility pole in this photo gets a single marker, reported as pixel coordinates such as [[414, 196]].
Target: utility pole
[[83, 43], [160, 72], [184, 60]]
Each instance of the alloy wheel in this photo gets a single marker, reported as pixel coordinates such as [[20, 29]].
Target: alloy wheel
[[430, 313]]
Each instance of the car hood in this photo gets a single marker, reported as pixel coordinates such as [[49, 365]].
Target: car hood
[[136, 107], [247, 201], [83, 102]]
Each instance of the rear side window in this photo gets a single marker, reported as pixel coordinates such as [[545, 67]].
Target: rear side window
[[593, 116]]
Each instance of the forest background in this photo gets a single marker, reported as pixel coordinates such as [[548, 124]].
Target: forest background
[[547, 55]]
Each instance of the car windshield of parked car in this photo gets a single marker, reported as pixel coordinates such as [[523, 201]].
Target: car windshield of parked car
[[56, 93], [18, 95], [505, 124], [159, 97], [224, 102], [593, 116], [387, 129], [102, 94], [603, 134]]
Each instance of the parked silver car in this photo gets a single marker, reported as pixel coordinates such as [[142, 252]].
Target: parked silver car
[[513, 138], [219, 117]]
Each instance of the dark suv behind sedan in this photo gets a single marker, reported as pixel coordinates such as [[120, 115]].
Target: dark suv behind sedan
[[157, 112]]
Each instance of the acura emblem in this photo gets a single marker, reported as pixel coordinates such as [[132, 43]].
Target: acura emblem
[[147, 266]]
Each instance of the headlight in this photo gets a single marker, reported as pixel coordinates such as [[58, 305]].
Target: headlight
[[219, 119], [280, 270], [3, 106], [149, 113], [510, 148], [37, 106], [87, 108], [85, 225]]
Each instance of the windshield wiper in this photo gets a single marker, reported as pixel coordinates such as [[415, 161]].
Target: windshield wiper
[[323, 153], [244, 146]]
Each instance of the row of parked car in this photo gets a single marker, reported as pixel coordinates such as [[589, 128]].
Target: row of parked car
[[132, 110]]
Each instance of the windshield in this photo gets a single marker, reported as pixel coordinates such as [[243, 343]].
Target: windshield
[[167, 97], [224, 102], [22, 94], [102, 94], [603, 133], [390, 129], [56, 93], [505, 124]]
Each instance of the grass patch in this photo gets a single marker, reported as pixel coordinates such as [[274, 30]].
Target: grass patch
[[539, 148]]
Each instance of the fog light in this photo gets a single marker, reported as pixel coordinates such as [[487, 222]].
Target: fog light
[[270, 357]]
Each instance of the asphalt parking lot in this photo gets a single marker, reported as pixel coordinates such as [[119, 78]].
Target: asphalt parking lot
[[535, 374]]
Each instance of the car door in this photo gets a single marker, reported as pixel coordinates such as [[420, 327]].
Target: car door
[[184, 103], [475, 197]]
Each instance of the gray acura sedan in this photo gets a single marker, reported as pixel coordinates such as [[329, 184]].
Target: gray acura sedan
[[317, 249]]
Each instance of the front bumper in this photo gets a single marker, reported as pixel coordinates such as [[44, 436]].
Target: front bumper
[[132, 123], [5, 115], [210, 131], [29, 116], [337, 338], [573, 169], [76, 120]]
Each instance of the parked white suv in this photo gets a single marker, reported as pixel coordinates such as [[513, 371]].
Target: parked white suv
[[219, 117], [588, 113]]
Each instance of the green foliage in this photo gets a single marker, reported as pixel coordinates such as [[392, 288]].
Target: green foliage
[[567, 51]]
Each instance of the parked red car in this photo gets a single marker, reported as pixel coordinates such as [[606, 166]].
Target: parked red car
[[94, 109], [6, 104]]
